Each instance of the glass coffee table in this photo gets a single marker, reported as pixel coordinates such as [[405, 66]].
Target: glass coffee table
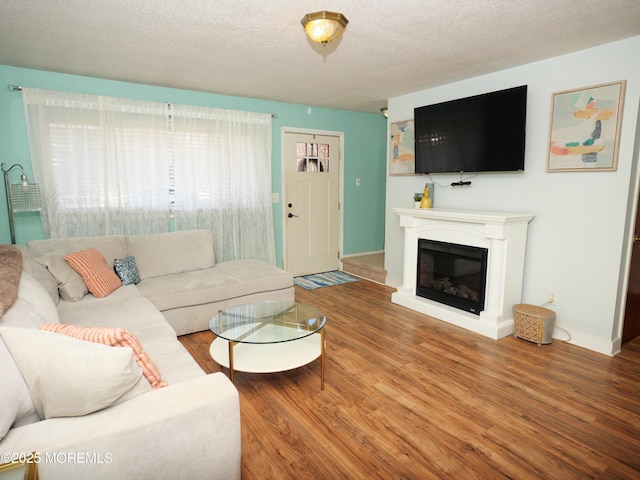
[[268, 337]]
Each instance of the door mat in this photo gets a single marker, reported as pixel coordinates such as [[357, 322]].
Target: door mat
[[318, 280]]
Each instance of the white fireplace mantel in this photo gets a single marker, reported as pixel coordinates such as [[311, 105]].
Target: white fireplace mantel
[[505, 237]]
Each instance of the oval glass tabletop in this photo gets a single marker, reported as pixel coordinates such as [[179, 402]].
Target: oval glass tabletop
[[267, 322]]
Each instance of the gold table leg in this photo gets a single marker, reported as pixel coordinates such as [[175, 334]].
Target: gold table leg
[[231, 373], [322, 349]]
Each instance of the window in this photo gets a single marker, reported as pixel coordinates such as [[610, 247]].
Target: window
[[109, 165], [312, 157]]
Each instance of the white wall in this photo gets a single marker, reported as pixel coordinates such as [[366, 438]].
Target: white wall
[[578, 242]]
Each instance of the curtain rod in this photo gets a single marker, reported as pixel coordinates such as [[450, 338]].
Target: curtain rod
[[18, 88]]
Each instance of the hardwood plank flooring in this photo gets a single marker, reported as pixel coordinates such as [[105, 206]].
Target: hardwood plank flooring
[[410, 397]]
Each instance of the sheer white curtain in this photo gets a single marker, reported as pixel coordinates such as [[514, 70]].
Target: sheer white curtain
[[222, 179], [110, 165], [102, 162]]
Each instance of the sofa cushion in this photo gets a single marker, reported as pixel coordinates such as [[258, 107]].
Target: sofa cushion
[[70, 284], [16, 406], [174, 252], [32, 307], [230, 279], [110, 246], [100, 279], [128, 309], [114, 337], [71, 377], [10, 271], [127, 270]]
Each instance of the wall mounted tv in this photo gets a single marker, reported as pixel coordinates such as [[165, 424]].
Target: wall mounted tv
[[483, 133]]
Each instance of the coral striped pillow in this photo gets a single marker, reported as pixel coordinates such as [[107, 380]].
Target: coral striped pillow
[[115, 337], [101, 280]]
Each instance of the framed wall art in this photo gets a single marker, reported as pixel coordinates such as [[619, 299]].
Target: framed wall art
[[402, 148], [585, 128]]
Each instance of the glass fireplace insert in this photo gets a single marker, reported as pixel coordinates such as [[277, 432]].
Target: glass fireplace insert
[[452, 274]]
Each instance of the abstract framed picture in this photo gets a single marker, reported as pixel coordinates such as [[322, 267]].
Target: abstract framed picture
[[402, 147], [585, 128]]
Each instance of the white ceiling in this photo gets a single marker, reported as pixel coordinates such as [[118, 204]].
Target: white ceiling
[[258, 48]]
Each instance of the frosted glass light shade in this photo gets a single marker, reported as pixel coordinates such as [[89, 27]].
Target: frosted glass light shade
[[323, 27]]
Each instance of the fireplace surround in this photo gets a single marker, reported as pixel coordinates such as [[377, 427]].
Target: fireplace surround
[[502, 235]]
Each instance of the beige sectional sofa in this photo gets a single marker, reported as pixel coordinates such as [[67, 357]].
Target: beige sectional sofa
[[179, 275], [187, 429]]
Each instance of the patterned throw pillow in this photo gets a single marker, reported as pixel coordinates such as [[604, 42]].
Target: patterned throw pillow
[[127, 270]]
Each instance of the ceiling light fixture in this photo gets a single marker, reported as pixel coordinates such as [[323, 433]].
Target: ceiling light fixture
[[324, 27], [385, 112]]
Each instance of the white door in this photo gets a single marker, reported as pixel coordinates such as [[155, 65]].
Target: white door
[[312, 176]]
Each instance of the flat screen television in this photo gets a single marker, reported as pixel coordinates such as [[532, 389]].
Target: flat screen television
[[483, 133]]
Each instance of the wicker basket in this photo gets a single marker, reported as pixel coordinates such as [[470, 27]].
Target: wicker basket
[[533, 323]]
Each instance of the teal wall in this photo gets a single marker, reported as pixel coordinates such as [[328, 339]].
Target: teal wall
[[364, 156]]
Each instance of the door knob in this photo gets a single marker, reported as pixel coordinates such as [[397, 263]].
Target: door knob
[[291, 215], [636, 238]]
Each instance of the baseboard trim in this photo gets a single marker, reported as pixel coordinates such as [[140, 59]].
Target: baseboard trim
[[362, 254]]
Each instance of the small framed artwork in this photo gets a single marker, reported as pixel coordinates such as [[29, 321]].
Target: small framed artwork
[[402, 148], [585, 128]]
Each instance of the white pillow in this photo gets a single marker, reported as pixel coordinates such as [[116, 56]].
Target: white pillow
[[16, 406], [70, 284], [43, 276], [68, 377], [32, 307]]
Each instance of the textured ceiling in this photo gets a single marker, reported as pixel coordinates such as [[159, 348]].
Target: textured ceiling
[[257, 48]]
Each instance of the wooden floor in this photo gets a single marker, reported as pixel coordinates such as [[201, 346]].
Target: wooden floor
[[409, 397]]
